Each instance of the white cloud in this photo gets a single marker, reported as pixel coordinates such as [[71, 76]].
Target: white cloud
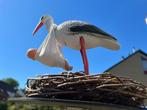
[[146, 20]]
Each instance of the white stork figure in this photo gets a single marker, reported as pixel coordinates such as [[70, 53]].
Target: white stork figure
[[77, 35]]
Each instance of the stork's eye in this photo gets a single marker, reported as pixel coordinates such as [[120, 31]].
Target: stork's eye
[[42, 17]]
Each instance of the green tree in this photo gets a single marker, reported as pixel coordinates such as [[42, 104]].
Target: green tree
[[12, 82]]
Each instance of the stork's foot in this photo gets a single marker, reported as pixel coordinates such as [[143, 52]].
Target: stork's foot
[[31, 53], [67, 67]]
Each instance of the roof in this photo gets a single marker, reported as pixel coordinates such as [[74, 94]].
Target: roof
[[138, 51], [71, 103]]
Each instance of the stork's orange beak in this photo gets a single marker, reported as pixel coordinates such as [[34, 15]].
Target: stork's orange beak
[[38, 27]]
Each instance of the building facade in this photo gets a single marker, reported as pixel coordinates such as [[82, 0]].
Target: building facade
[[134, 66]]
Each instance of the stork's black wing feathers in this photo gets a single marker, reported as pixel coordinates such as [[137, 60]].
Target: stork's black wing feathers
[[88, 28]]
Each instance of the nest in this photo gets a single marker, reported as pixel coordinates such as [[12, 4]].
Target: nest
[[105, 88]]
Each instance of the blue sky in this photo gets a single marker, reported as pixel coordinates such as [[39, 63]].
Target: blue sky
[[123, 19]]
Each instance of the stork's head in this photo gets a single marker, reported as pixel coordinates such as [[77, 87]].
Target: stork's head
[[47, 20]]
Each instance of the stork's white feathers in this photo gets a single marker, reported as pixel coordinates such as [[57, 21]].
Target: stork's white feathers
[[65, 26]]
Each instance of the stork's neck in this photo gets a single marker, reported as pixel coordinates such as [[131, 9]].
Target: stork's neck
[[49, 23]]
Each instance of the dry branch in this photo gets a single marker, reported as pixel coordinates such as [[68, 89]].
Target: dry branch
[[102, 87]]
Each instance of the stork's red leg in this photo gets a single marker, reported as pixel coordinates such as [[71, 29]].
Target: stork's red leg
[[84, 56]]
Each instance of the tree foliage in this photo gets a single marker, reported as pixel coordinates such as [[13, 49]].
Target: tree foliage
[[12, 82]]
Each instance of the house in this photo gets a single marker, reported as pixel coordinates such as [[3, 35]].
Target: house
[[134, 66], [6, 91]]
